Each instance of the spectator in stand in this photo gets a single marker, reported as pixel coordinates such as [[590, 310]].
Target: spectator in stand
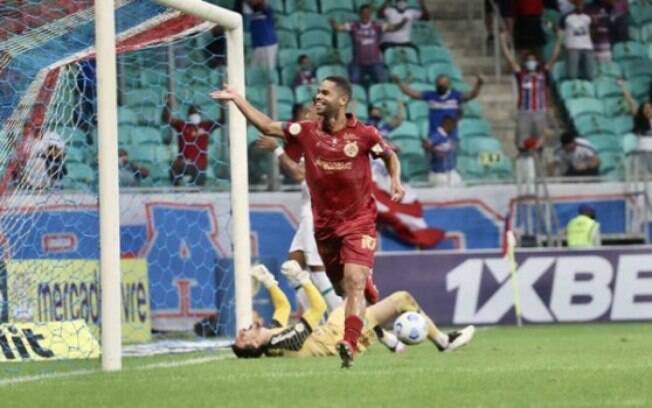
[[532, 82], [394, 15], [306, 74], [45, 166], [528, 26], [600, 12], [130, 173], [506, 8], [443, 101], [642, 114], [377, 119], [263, 35], [365, 35], [216, 49], [619, 21], [442, 147], [194, 133], [577, 156], [575, 27]]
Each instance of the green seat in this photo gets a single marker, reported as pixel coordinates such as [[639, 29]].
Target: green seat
[[640, 13], [637, 68], [293, 6], [640, 88], [252, 134], [305, 93], [277, 6], [606, 87], [322, 55], [559, 71], [388, 107], [75, 154], [331, 70], [315, 38], [422, 86], [343, 40], [345, 55], [400, 55], [478, 145], [473, 128], [257, 76], [630, 143], [360, 112], [590, 124], [284, 111], [409, 146], [605, 142], [630, 50], [153, 77], [609, 70], [124, 133], [257, 95], [418, 110], [143, 154], [343, 16], [409, 72], [159, 172], [406, 130], [288, 73], [305, 21], [336, 5], [430, 54], [149, 95], [80, 172], [423, 33], [284, 94], [286, 39], [611, 164], [414, 167], [622, 124], [163, 154], [437, 69], [383, 91], [615, 106], [359, 94], [288, 57], [472, 110], [126, 116], [576, 89], [584, 106], [143, 135]]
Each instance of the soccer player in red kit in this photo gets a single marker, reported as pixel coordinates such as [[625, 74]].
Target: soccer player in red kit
[[336, 149]]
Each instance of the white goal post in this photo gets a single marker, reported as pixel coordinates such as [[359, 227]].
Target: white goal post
[[108, 164]]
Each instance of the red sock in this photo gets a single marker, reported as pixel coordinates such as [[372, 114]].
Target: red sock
[[352, 330]]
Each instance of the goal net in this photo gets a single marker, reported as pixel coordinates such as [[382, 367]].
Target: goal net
[[175, 191]]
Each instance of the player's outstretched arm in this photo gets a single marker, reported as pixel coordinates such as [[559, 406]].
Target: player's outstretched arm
[[263, 122], [394, 169]]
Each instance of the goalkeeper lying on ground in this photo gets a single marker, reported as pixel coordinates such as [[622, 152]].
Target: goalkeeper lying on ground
[[309, 338]]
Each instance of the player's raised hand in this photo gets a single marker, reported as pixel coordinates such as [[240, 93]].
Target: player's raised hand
[[225, 94], [266, 144], [396, 190]]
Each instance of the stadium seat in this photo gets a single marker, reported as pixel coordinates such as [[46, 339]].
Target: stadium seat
[[330, 70], [150, 95], [473, 128], [606, 87], [608, 69], [590, 124], [630, 50], [284, 94], [418, 110], [288, 57], [611, 165], [640, 13], [159, 172], [400, 55], [257, 76], [630, 143], [423, 33], [81, 172], [359, 94], [336, 5], [293, 6], [286, 39], [434, 70], [406, 130], [361, 112], [559, 71], [422, 86], [605, 142], [584, 106], [305, 21], [622, 124], [382, 91], [409, 72], [414, 167], [576, 89], [478, 145], [315, 38], [143, 135], [288, 73], [472, 110], [142, 154], [343, 16], [124, 134], [409, 146], [429, 54], [163, 154], [640, 87], [343, 40], [257, 95], [614, 106], [345, 55], [284, 111], [305, 93], [637, 68], [320, 55], [75, 154], [277, 6]]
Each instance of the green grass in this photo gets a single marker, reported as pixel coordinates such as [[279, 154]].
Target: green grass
[[538, 366]]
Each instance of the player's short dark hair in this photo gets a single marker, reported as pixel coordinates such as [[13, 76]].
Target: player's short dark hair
[[342, 84], [567, 138], [247, 352], [364, 6]]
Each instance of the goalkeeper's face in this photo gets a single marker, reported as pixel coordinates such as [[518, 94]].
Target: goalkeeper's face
[[254, 336]]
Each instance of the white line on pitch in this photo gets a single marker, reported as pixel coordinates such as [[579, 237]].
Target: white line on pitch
[[77, 373]]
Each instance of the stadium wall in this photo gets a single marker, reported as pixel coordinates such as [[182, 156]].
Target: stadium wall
[[186, 242]]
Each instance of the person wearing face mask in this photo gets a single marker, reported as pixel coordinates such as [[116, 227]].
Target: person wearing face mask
[[192, 159], [384, 127], [532, 82], [394, 15], [443, 101], [306, 74], [130, 173]]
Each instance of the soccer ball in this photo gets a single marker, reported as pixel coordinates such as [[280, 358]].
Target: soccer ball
[[411, 328]]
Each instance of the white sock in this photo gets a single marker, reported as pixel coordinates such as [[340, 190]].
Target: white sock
[[323, 284], [389, 339]]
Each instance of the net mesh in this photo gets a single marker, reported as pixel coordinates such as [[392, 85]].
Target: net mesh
[[174, 172]]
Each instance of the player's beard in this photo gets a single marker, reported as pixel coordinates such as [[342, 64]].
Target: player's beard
[[329, 116]]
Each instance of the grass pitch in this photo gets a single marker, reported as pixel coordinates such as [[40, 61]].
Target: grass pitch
[[539, 366]]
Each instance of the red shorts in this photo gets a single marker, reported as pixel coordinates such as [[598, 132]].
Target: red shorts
[[354, 248]]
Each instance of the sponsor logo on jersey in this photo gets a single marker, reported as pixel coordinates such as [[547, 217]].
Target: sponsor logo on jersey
[[334, 165], [351, 149]]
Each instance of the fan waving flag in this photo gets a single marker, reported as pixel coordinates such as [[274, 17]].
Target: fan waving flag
[[404, 219]]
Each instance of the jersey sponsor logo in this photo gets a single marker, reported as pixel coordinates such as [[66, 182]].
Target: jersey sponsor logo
[[334, 165], [294, 129], [351, 149], [368, 242]]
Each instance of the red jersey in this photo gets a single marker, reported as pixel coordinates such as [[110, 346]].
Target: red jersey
[[338, 173], [193, 141]]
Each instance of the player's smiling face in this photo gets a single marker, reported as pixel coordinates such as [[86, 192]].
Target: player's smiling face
[[328, 100]]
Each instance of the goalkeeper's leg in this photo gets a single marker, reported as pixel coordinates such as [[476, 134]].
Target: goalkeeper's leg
[[388, 309]]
